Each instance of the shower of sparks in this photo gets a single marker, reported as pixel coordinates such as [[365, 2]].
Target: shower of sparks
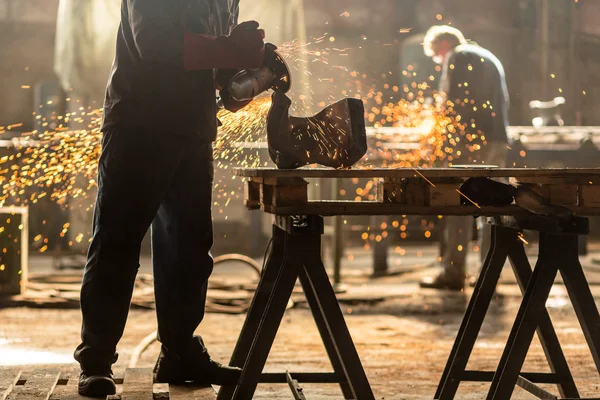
[[522, 238], [244, 126], [53, 162], [59, 162]]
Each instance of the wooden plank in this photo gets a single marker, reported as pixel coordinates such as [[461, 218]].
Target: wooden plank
[[68, 391], [289, 181], [564, 195], [191, 392], [586, 174], [284, 195], [444, 195], [326, 208], [389, 192], [8, 379], [281, 195], [251, 195], [13, 263], [329, 208], [590, 196], [137, 384], [558, 180], [415, 192], [39, 386]]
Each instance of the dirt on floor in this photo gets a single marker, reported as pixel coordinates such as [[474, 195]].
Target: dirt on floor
[[403, 343], [403, 340]]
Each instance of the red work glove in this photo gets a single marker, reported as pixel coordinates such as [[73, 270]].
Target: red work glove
[[244, 48], [223, 76], [250, 44]]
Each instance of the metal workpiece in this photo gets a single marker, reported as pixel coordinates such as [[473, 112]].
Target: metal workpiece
[[335, 137]]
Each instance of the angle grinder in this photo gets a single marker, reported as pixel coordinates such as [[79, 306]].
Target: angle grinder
[[247, 84]]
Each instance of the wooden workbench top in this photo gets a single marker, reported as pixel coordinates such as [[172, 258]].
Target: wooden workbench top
[[586, 174], [579, 176], [427, 191]]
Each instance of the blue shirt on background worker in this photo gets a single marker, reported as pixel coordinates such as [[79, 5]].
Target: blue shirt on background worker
[[474, 94]]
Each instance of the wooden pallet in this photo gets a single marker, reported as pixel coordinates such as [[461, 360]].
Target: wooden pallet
[[14, 241], [433, 191], [136, 384]]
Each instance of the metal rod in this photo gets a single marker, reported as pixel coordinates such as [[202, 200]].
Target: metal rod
[[544, 45], [535, 389], [295, 388], [574, 55], [338, 239]]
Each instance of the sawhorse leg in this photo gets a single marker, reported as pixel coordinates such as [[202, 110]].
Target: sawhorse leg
[[474, 315], [557, 252], [584, 305], [323, 327], [333, 328], [264, 316], [546, 333], [295, 253], [505, 242]]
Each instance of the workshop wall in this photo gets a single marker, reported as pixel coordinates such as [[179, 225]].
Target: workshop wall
[[509, 28], [27, 30], [588, 55]]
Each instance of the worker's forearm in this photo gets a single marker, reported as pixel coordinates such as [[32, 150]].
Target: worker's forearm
[[188, 50], [160, 36], [207, 52]]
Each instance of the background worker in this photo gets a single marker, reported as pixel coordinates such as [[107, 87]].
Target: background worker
[[156, 169], [473, 92]]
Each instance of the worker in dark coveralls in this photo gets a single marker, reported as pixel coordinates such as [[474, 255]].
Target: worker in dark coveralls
[[156, 169], [473, 91]]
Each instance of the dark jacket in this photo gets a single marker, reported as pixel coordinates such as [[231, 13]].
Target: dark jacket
[[148, 86], [477, 89]]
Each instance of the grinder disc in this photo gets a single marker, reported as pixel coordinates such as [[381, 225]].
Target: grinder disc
[[277, 64]]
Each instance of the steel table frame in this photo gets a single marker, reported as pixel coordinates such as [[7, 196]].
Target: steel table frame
[[558, 251], [296, 253]]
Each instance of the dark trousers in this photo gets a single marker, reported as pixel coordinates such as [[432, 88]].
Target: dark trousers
[[147, 179]]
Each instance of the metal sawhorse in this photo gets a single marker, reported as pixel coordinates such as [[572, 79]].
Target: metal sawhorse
[[558, 251]]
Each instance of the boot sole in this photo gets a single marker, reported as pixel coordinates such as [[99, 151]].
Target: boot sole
[[100, 388]]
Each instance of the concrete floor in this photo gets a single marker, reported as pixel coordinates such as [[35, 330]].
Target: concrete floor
[[403, 341]]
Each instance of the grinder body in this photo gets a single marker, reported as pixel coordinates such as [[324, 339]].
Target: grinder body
[[247, 84]]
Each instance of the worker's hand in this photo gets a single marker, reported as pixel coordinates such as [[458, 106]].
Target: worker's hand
[[223, 76], [249, 44]]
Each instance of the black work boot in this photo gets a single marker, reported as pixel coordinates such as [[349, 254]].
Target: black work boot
[[193, 365], [96, 383], [95, 379], [445, 281]]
